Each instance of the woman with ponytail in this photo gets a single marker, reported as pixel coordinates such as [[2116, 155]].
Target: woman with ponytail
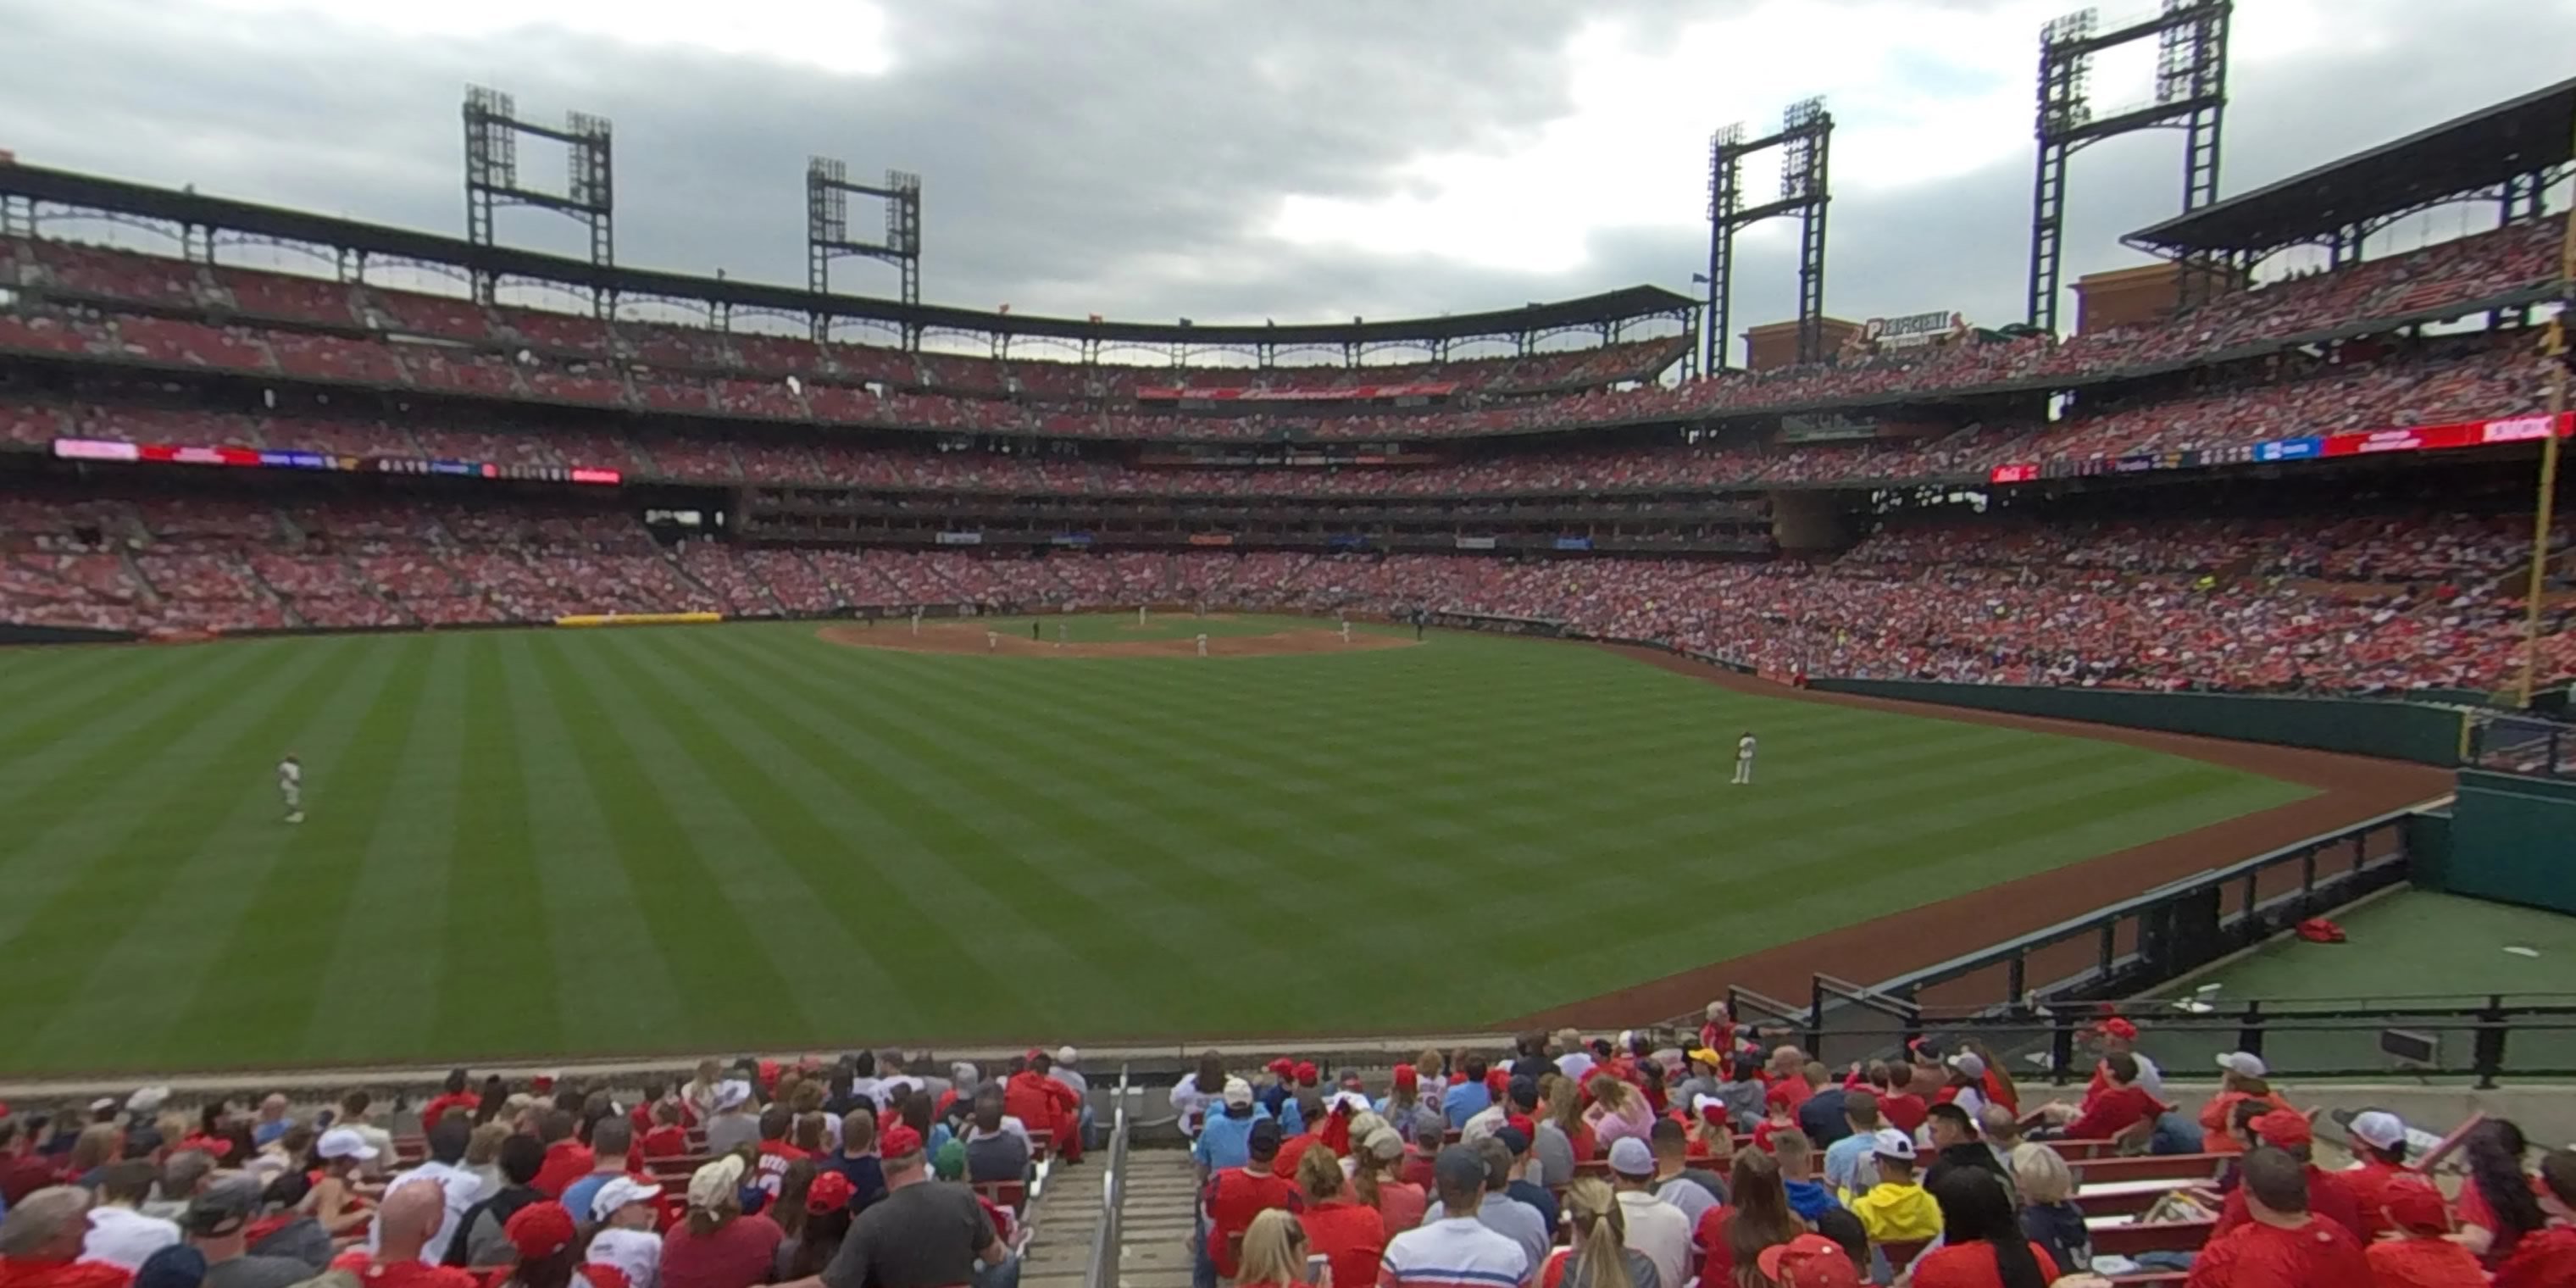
[[1982, 1244], [2499, 1202], [1600, 1256]]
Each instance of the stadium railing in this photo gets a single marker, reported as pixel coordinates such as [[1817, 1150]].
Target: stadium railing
[[1103, 1271]]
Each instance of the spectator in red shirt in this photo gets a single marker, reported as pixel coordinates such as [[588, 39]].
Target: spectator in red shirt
[[1347, 1233], [2544, 1256], [719, 1247], [40, 1244], [1902, 1109], [1045, 1104], [2241, 1078], [769, 1166], [1755, 1216], [2498, 1196], [23, 1171], [2379, 1149], [2328, 1198], [548, 1246], [2281, 1244], [452, 1096], [2418, 1251], [1235, 1196], [1982, 1245], [567, 1159], [667, 1139], [1399, 1203], [2118, 1105]]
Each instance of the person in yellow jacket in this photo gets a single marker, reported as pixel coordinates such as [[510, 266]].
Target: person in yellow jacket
[[1897, 1209]]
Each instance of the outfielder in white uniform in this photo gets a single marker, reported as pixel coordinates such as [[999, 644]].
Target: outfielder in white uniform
[[1744, 758], [1346, 632], [1203, 645], [290, 786]]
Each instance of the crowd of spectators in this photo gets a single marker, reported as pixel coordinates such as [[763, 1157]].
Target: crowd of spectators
[[2407, 600], [576, 358]]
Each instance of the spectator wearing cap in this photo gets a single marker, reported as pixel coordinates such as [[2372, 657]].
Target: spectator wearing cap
[[857, 1160], [219, 1220], [458, 1190], [1278, 1086], [2414, 1248], [119, 1232], [2541, 1255], [623, 1211], [2379, 1159], [2242, 1077], [183, 1173], [1575, 1064], [1982, 1244], [1808, 1261], [1454, 1247], [816, 1224], [1400, 1203], [40, 1243], [1966, 1083], [2328, 1198], [1955, 1143], [1067, 1070], [2175, 1132], [483, 1239], [1046, 1105], [547, 1244], [176, 1266], [1655, 1228], [1225, 1137], [730, 1122], [357, 1111], [452, 1095], [1689, 1190], [2279, 1241], [717, 1245], [1897, 1209], [1524, 1186], [1847, 1161], [611, 1142], [2049, 1217], [1403, 1099], [406, 1231], [1234, 1196], [1467, 1097]]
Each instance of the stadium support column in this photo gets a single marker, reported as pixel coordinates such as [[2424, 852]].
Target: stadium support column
[[1805, 142], [492, 132], [827, 233], [2191, 95]]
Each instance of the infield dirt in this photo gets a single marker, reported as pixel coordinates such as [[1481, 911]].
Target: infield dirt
[[968, 637]]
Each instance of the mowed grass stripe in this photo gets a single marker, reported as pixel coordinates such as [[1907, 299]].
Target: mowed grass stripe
[[151, 976], [611, 993], [726, 983], [1017, 855], [39, 702], [268, 967], [93, 755], [379, 980], [754, 772], [495, 962], [164, 804]]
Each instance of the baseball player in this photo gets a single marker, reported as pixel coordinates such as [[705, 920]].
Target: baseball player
[[290, 786], [1062, 633], [992, 640], [916, 621], [1202, 643], [1346, 630], [1744, 759]]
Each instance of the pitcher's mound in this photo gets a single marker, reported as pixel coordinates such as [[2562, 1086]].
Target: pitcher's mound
[[969, 637]]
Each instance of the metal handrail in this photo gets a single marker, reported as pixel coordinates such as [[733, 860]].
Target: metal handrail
[[1103, 1270]]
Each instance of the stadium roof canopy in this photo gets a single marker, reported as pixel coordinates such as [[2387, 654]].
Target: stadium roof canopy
[[2453, 160], [117, 196]]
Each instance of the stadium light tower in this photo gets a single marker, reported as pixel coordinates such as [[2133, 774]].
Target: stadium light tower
[[2191, 95], [492, 130], [1805, 141], [827, 231]]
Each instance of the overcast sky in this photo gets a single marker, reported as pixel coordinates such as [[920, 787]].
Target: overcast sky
[[1305, 160]]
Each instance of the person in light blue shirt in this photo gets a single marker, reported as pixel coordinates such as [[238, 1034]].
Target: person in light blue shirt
[[1850, 1166], [1466, 1097], [1225, 1141]]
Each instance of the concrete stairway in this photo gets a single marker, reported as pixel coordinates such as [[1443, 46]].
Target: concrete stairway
[[1162, 1193]]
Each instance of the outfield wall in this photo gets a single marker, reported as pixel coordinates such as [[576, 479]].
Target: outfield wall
[[2391, 729], [2513, 839]]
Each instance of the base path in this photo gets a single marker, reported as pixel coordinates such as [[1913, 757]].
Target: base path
[[2349, 790], [970, 637]]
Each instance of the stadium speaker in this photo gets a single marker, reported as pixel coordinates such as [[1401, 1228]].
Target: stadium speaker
[[2181, 933]]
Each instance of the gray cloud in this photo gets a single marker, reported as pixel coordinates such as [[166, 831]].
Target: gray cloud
[[1123, 156]]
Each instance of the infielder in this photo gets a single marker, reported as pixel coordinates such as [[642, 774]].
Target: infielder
[[1203, 644], [290, 785], [1744, 758], [1346, 632], [992, 640]]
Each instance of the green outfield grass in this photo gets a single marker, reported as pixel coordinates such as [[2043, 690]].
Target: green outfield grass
[[570, 842]]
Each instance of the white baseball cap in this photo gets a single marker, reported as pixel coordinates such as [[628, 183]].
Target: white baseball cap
[[148, 1100], [2378, 1129], [1888, 1142], [619, 1192], [1067, 1055], [343, 1142], [2244, 1064], [1238, 1093], [731, 1093], [1969, 1063]]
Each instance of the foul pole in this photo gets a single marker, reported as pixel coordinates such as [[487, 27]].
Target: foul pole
[[2556, 346]]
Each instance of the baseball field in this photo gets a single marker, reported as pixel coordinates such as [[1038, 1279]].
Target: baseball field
[[674, 839]]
